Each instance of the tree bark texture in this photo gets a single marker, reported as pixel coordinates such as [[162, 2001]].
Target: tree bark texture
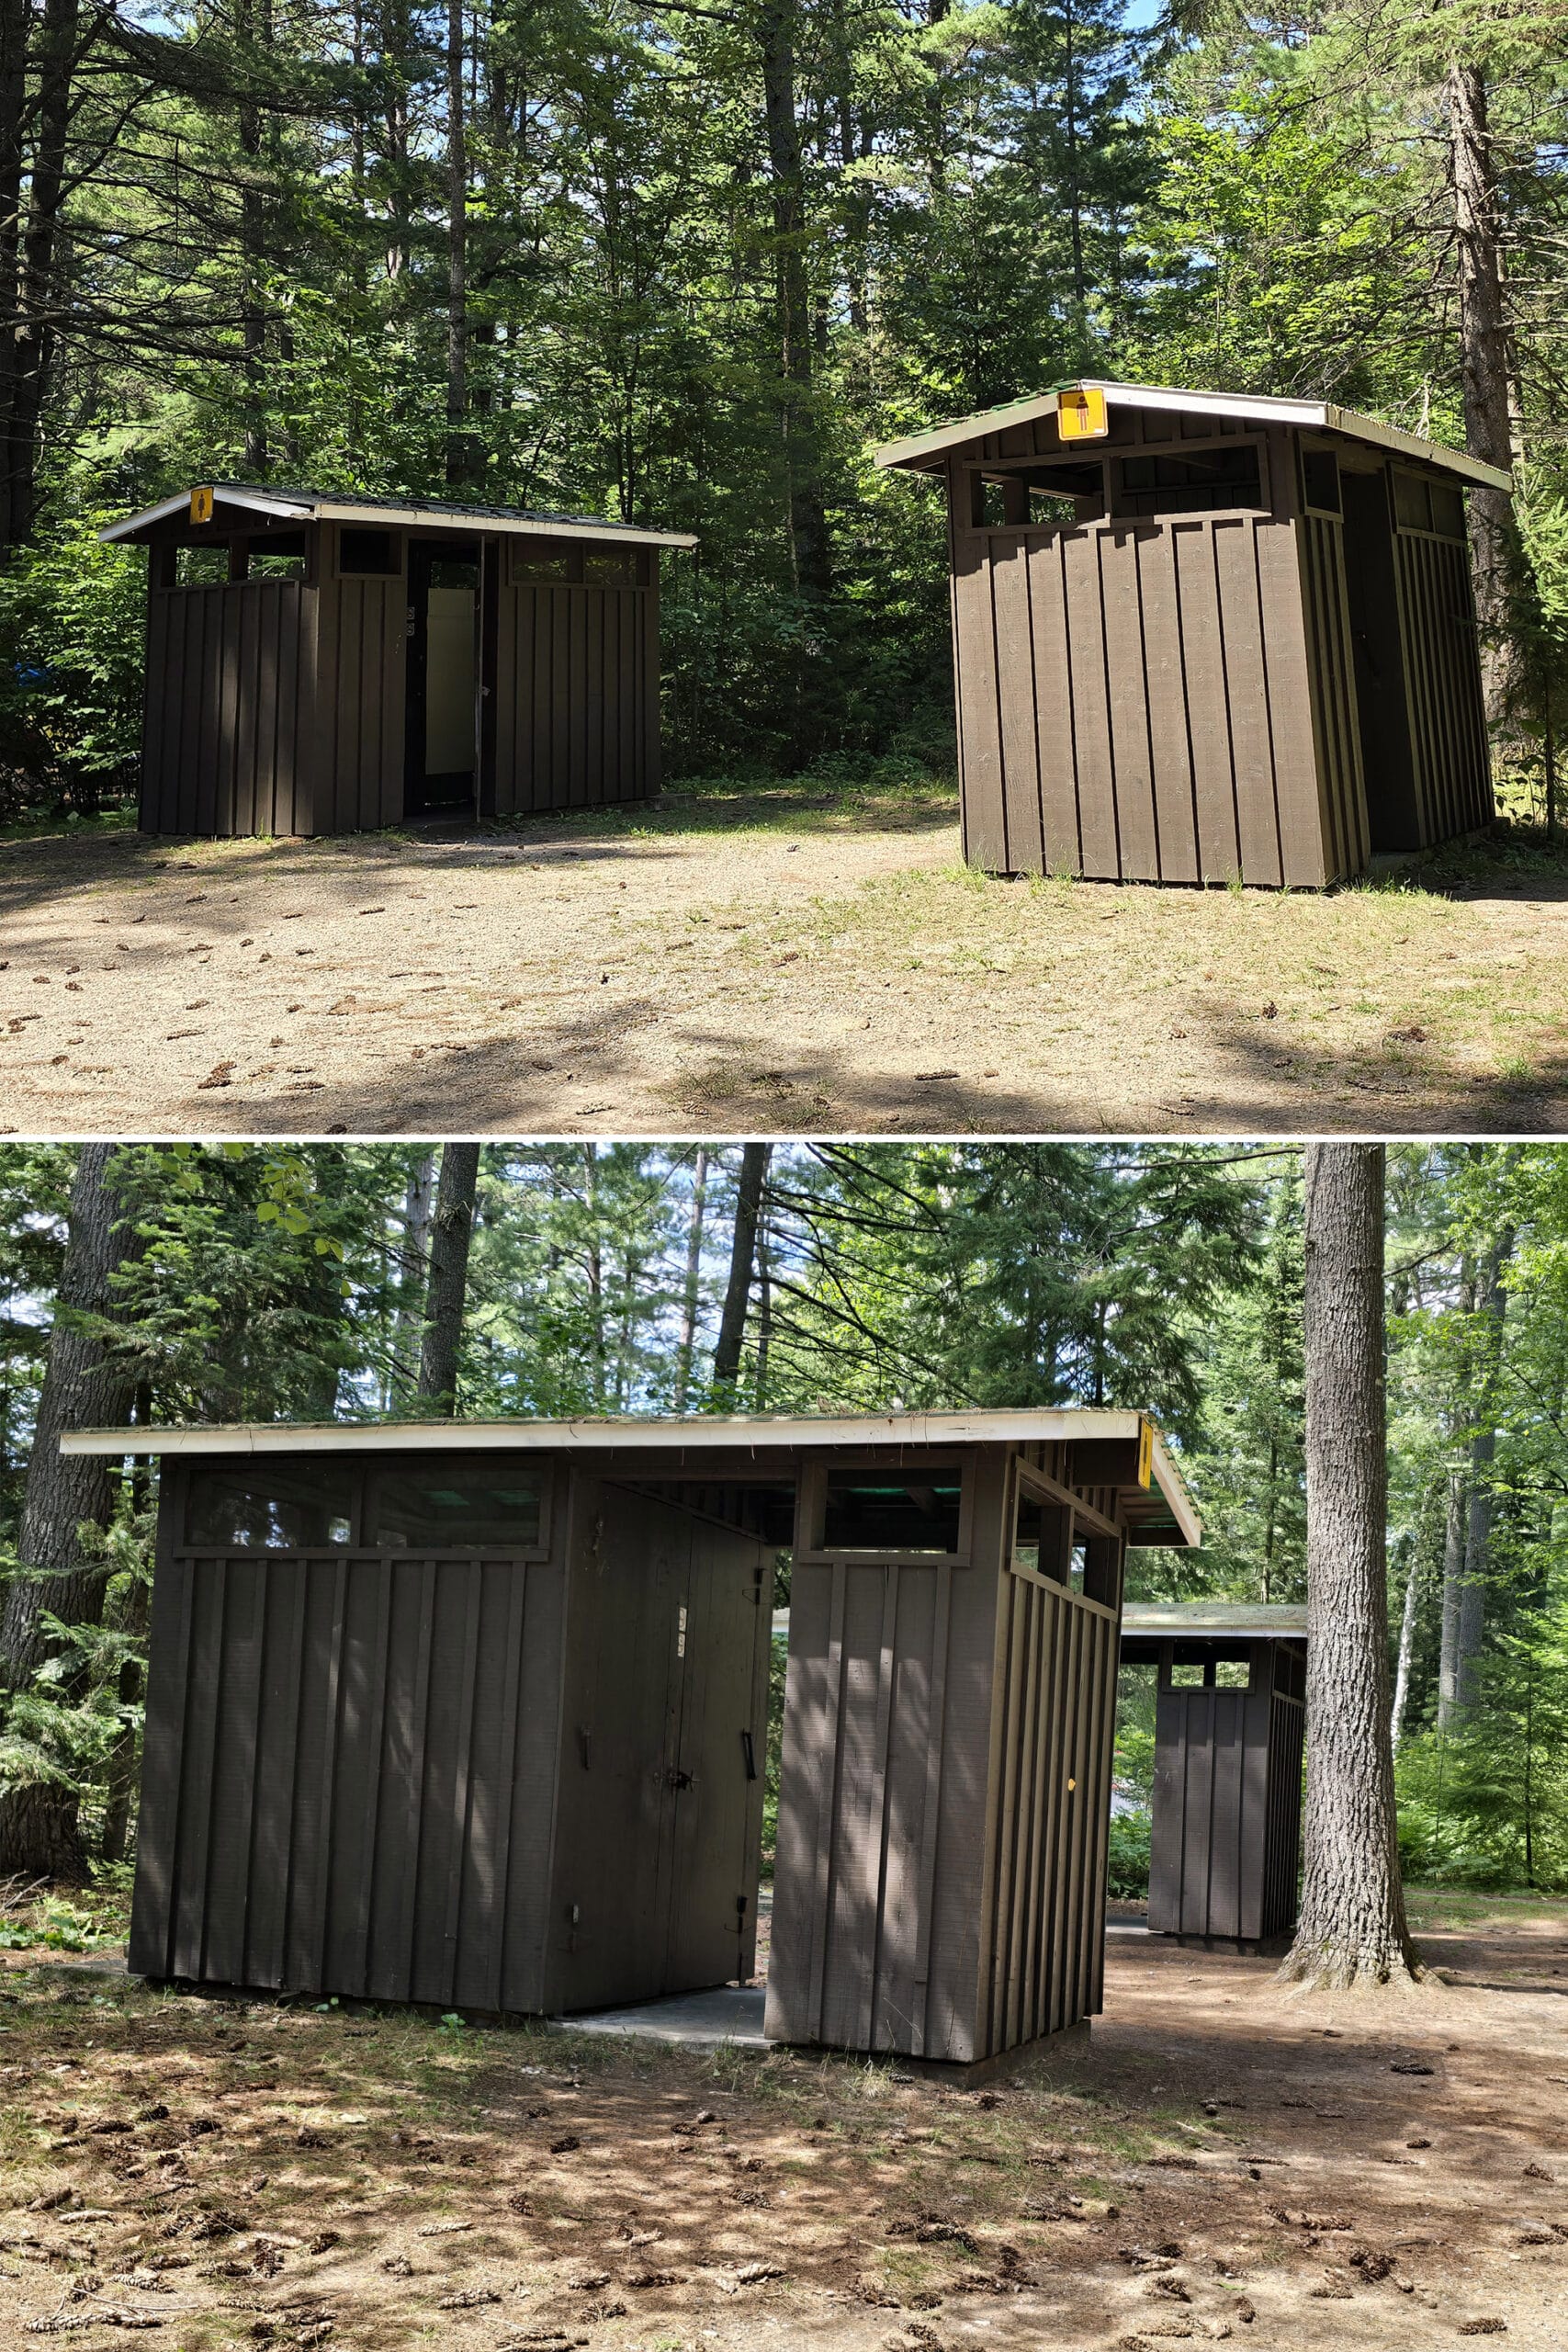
[[1352, 1928], [86, 1384], [451, 1233], [1486, 363], [754, 1158], [29, 236]]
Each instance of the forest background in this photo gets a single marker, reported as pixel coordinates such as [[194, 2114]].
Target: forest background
[[247, 1281], [684, 262]]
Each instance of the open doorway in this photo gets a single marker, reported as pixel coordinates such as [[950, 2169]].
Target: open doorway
[[1373, 591], [442, 677]]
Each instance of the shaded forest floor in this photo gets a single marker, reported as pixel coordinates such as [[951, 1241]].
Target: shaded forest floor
[[791, 959], [1221, 2161]]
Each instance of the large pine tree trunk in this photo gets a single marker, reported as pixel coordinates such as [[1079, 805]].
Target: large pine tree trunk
[[459, 449], [1352, 1929], [86, 1384], [451, 1234], [1485, 364]]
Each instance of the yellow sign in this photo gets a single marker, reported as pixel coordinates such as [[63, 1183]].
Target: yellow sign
[[1145, 1452], [201, 504], [1080, 415]]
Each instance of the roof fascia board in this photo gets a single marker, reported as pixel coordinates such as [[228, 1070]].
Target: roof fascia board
[[1260, 409], [411, 518], [285, 510], [405, 517], [1410, 445], [708, 1433]]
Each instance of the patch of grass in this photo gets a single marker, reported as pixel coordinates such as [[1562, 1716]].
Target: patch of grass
[[70, 827]]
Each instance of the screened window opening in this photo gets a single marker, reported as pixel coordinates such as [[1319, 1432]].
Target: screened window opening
[[485, 1504], [1040, 1535], [990, 504], [610, 570], [1320, 480], [1052, 506], [1186, 1677], [306, 1508], [375, 552], [874, 1511], [282, 558], [543, 564], [1077, 1566], [1197, 482], [201, 567], [1233, 1674]]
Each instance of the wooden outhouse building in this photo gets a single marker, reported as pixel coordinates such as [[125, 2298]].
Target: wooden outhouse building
[[320, 662], [476, 1713], [1225, 1833], [1199, 636]]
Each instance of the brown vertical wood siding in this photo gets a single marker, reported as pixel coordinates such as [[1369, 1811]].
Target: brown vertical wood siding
[[1447, 718], [349, 1773], [1125, 712], [1045, 1879], [1335, 719], [228, 720], [362, 669], [1174, 700], [577, 696], [939, 1890], [1227, 1806]]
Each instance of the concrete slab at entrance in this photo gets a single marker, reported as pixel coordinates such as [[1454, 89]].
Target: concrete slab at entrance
[[727, 2016]]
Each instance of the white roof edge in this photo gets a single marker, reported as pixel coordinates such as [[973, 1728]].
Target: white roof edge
[[529, 525], [1284, 1620], [326, 509], [1173, 1487], [1263, 408], [291, 510], [1048, 1424]]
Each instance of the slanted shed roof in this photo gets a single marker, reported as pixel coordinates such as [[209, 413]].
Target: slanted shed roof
[[1162, 1512], [269, 503], [1253, 408]]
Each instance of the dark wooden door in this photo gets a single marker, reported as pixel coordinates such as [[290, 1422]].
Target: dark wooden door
[[659, 1827]]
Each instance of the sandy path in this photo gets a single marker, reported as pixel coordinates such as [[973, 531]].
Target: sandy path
[[774, 964]]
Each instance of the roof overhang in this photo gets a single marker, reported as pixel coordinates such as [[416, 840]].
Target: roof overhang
[[299, 506], [1146, 1625], [1255, 407], [1164, 1508]]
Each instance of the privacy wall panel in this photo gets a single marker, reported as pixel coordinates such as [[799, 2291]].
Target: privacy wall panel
[[228, 719], [577, 696], [876, 1888], [1226, 1820], [1453, 784], [350, 1775], [1131, 706]]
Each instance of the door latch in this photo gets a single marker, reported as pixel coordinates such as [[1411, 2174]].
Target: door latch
[[675, 1779]]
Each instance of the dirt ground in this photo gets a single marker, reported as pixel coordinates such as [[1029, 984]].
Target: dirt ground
[[788, 961], [1222, 2161]]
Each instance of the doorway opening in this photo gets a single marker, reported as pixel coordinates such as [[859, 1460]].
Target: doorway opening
[[1373, 591], [441, 734]]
